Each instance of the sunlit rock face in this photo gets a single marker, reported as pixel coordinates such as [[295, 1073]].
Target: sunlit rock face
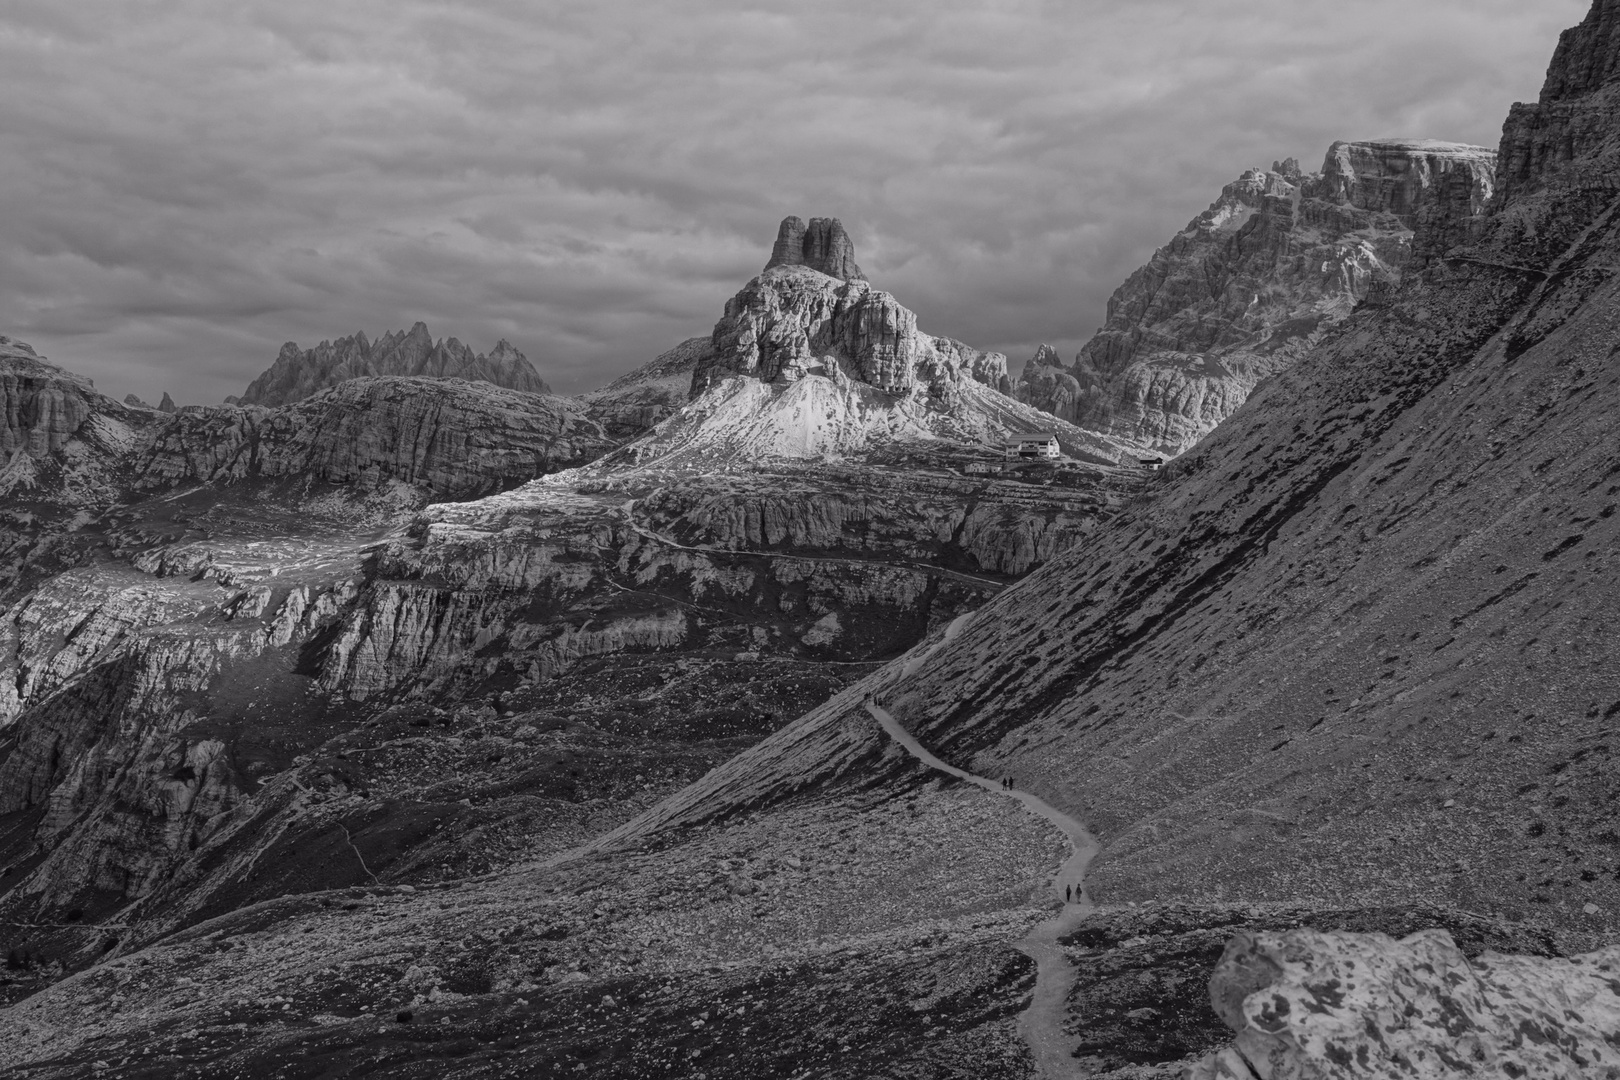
[[298, 373], [1307, 1005], [1257, 280], [812, 312]]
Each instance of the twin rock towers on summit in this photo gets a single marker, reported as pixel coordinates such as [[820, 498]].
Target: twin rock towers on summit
[[822, 245]]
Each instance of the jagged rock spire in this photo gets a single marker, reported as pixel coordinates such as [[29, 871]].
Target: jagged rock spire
[[822, 245]]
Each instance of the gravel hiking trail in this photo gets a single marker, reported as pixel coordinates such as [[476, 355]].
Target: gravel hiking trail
[[1041, 1024]]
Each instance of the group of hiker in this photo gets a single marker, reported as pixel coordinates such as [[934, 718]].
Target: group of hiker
[[1070, 893]]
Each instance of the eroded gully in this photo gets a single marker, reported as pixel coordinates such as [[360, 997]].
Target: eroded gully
[[1041, 1025]]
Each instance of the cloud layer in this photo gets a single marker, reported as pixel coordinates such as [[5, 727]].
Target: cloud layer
[[189, 183]]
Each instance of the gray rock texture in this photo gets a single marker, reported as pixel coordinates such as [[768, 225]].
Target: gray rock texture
[[823, 246], [449, 437], [298, 373], [1256, 281], [66, 443], [1307, 1005], [636, 402], [42, 406]]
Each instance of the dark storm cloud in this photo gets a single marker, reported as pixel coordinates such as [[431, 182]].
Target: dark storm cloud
[[189, 184]]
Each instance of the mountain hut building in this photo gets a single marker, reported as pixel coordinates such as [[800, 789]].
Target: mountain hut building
[[1043, 444]]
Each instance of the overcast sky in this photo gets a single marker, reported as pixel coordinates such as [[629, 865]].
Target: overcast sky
[[187, 184]]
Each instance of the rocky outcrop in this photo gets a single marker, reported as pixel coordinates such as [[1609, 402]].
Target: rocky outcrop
[[1399, 177], [823, 246], [42, 406], [760, 559], [446, 437], [167, 405], [1255, 282], [1332, 1006], [635, 403], [298, 373], [791, 322], [1567, 137], [63, 442], [135, 402]]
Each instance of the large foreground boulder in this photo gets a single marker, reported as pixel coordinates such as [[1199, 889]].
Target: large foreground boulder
[[1336, 1006]]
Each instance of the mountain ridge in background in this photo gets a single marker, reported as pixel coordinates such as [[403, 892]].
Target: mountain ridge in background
[[1256, 281], [298, 373], [584, 776]]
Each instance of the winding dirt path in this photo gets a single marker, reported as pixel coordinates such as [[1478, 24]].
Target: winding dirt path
[[1042, 1023]]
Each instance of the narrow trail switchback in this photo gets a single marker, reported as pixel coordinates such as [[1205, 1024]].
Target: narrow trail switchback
[[1041, 1025]]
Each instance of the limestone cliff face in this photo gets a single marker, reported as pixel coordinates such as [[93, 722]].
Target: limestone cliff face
[[446, 437], [1566, 138], [812, 312], [1255, 281], [495, 589], [793, 321], [298, 373], [63, 443], [823, 246], [42, 406]]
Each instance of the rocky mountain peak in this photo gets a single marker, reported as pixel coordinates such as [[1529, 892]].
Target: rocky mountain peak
[[1568, 136], [1288, 168], [823, 245], [298, 373], [796, 320], [1401, 176], [1257, 279], [1587, 57], [1046, 356]]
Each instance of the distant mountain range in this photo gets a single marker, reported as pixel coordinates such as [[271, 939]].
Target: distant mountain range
[[298, 373]]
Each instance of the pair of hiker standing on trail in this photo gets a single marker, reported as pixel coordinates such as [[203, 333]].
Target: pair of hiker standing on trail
[[1070, 894]]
